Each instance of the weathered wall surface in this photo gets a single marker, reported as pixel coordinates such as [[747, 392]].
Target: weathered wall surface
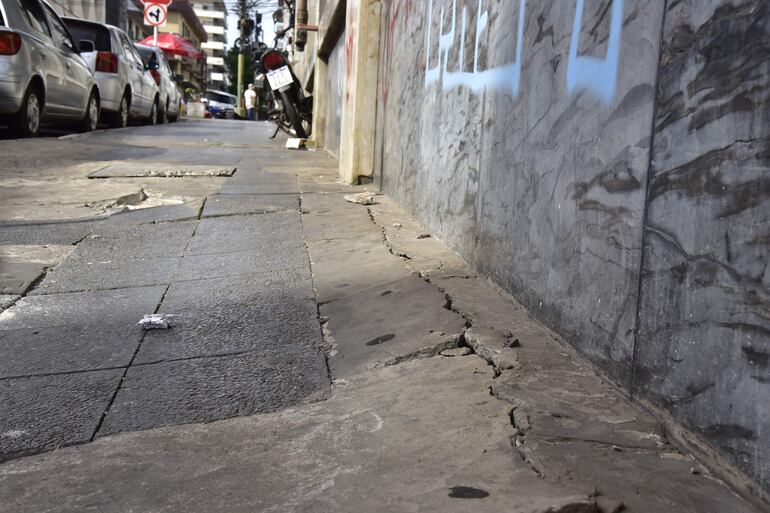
[[704, 345], [335, 82], [524, 133]]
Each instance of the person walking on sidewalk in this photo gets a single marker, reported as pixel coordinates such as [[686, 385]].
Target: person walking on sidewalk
[[250, 102]]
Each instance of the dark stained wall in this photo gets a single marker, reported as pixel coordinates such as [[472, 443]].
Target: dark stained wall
[[704, 346]]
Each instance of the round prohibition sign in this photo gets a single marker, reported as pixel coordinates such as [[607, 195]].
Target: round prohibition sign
[[155, 14]]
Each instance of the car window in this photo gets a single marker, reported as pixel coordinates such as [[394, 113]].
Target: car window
[[98, 34], [60, 34], [137, 57], [2, 20], [35, 16], [166, 66], [144, 52], [127, 48]]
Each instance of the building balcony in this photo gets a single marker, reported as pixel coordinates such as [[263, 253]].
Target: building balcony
[[207, 14], [213, 45], [213, 29]]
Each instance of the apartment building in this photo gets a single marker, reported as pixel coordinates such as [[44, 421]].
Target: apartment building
[[213, 15]]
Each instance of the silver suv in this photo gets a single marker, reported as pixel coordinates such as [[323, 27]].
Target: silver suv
[[42, 75], [127, 86]]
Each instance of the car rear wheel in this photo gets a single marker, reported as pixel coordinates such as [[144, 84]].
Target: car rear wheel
[[175, 117], [120, 118], [26, 123], [163, 115], [91, 119], [153, 118]]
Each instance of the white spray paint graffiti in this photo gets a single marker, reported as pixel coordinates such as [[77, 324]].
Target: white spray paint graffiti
[[598, 76]]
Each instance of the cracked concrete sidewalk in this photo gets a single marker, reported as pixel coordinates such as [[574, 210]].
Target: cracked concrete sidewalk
[[446, 396]]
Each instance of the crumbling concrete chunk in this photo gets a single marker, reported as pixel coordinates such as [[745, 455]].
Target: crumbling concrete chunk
[[362, 198], [574, 504], [429, 346], [460, 351], [493, 347], [606, 504]]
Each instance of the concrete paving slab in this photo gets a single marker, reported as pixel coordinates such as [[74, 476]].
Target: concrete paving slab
[[261, 313], [134, 242], [70, 348], [23, 265], [122, 307], [242, 233], [328, 216], [17, 277], [315, 180], [258, 260], [578, 405], [228, 205], [255, 181], [76, 275], [369, 264], [49, 233], [208, 389], [47, 254], [246, 187], [45, 412], [386, 323], [403, 438], [257, 176], [644, 481], [408, 238]]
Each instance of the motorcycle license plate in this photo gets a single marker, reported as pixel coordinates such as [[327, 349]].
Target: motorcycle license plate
[[279, 78]]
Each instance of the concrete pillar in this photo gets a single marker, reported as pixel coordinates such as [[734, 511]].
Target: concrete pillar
[[362, 46], [320, 94]]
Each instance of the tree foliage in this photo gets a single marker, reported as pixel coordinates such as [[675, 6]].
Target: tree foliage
[[232, 69]]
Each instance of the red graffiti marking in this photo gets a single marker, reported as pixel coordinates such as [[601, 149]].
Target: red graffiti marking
[[349, 40], [395, 13]]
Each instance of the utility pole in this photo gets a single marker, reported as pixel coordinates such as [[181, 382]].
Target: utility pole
[[243, 41], [247, 25]]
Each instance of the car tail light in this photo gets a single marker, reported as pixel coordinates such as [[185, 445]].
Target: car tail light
[[106, 62], [273, 60], [155, 75], [10, 43]]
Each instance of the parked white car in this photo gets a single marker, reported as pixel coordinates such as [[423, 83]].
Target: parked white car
[[220, 104], [127, 87], [170, 95], [43, 77]]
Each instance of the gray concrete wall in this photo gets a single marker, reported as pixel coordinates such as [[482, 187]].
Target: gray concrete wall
[[525, 137], [335, 82], [704, 345]]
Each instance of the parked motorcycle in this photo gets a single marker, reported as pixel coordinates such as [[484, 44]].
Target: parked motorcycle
[[293, 110]]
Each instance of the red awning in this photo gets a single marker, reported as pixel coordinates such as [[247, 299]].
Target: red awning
[[173, 44]]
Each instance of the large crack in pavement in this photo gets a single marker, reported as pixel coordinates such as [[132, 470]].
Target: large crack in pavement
[[544, 432]]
